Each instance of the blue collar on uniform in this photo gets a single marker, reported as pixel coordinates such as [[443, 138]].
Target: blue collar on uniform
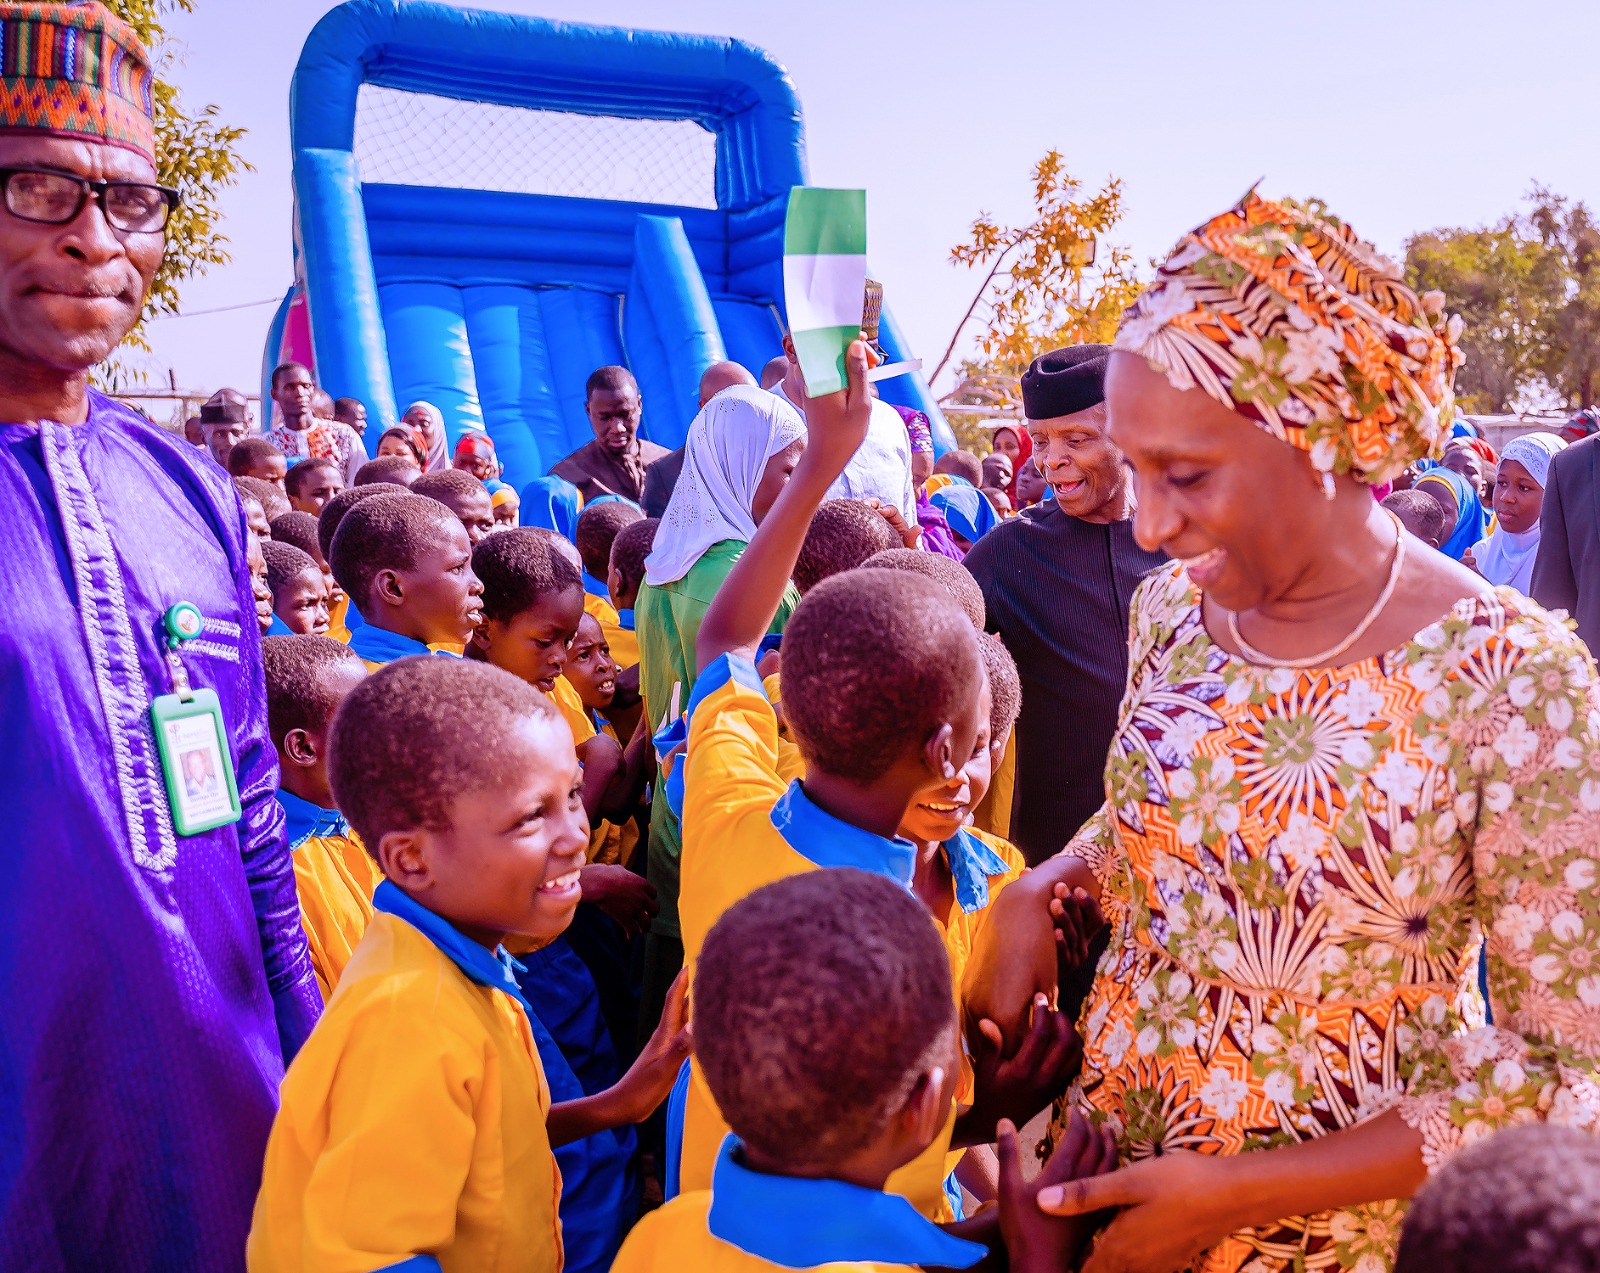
[[799, 1223], [824, 840], [498, 970], [596, 587], [972, 862], [302, 819], [278, 627], [625, 620], [379, 645]]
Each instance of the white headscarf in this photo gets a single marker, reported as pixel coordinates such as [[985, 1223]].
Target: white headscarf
[[1504, 558], [729, 444], [436, 457]]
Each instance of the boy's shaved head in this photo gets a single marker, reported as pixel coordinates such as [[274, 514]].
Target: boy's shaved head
[[844, 533], [961, 464], [247, 451], [818, 1002], [517, 567], [448, 482], [334, 510], [299, 529], [598, 527], [285, 562], [302, 475], [389, 533], [1525, 1200], [274, 503], [952, 576], [399, 469], [419, 733], [302, 673], [1005, 685], [873, 663], [631, 546]]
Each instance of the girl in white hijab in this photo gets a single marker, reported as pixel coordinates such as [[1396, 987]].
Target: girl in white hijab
[[1507, 555], [426, 419], [741, 449]]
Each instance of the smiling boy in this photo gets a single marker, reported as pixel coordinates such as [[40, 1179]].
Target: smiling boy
[[413, 1124]]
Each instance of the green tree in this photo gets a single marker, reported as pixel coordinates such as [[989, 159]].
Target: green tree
[[1054, 281], [1572, 354], [195, 153]]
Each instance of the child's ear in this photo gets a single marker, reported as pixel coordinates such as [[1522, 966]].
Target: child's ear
[[404, 858], [926, 1109], [387, 588], [300, 748], [480, 636], [938, 754]]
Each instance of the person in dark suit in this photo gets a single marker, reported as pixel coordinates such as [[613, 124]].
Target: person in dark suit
[[662, 476], [1566, 575]]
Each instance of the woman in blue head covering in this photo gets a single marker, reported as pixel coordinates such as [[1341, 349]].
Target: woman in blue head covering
[[1470, 520], [968, 512], [553, 503]]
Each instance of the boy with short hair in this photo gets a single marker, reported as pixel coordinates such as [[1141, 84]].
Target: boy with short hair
[[879, 719], [307, 678], [257, 562], [258, 458], [406, 565], [274, 503], [255, 517], [592, 673], [343, 618], [596, 533], [413, 1122], [950, 575], [826, 1027], [299, 595], [624, 578], [311, 483], [958, 464], [843, 534], [464, 495], [402, 470]]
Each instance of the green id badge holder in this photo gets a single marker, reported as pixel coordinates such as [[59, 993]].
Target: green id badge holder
[[193, 740]]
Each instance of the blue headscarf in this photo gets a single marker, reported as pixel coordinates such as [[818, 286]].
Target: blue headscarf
[[1471, 521], [966, 509], [553, 503]]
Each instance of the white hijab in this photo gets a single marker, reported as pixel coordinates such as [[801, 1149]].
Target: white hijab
[[1504, 558], [729, 444], [436, 457]]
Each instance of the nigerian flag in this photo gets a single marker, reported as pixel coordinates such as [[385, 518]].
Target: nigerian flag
[[824, 279]]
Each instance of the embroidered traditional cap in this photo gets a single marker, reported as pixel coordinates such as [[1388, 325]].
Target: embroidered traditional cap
[[1279, 312], [75, 70], [1065, 381]]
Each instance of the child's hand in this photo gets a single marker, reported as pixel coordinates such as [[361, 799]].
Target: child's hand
[[627, 693], [650, 1078], [1078, 920], [836, 423], [627, 898], [910, 536], [1038, 1243], [1020, 1087]]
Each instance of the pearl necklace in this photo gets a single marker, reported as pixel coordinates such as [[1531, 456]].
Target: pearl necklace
[[1326, 657]]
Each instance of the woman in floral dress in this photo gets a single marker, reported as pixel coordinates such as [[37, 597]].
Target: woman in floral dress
[[1343, 764]]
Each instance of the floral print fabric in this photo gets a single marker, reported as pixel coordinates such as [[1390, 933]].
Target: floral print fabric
[[1300, 867], [1279, 312]]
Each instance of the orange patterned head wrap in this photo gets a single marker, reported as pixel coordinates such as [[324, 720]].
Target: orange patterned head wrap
[[1279, 312]]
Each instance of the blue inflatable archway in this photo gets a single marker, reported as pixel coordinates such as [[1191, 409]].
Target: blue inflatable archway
[[495, 306]]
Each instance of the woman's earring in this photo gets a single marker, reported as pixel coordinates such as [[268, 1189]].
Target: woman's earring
[[1328, 491]]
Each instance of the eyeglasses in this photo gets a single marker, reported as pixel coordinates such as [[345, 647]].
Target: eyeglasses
[[56, 198]]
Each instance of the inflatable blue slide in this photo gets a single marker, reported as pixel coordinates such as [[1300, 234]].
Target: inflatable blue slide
[[488, 207]]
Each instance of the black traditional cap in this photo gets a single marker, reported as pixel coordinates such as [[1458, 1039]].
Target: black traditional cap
[[225, 406], [1065, 381]]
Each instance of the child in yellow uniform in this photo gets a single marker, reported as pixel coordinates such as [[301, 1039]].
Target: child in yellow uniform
[[299, 595], [307, 678], [826, 1028], [343, 618], [464, 495], [406, 564], [598, 527], [412, 1123], [623, 581], [592, 673]]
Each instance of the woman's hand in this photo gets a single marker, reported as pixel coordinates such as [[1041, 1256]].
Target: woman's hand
[[1172, 1207]]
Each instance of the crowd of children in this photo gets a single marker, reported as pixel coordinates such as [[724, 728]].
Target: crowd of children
[[511, 1071]]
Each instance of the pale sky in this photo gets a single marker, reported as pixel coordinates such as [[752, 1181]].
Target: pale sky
[[1402, 114]]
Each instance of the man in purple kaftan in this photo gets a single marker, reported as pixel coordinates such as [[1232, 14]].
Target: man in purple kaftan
[[151, 984]]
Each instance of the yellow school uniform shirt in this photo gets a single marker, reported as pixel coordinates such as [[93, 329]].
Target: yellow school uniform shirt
[[609, 843], [993, 814], [338, 612], [791, 764], [335, 877], [750, 1221], [742, 828], [412, 1122], [565, 696]]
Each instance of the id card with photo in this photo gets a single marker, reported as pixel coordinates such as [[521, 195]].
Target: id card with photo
[[201, 788]]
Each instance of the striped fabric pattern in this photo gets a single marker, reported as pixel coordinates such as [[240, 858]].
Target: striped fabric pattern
[[75, 70]]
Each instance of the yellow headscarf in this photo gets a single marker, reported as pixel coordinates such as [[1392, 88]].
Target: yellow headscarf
[[1279, 312]]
